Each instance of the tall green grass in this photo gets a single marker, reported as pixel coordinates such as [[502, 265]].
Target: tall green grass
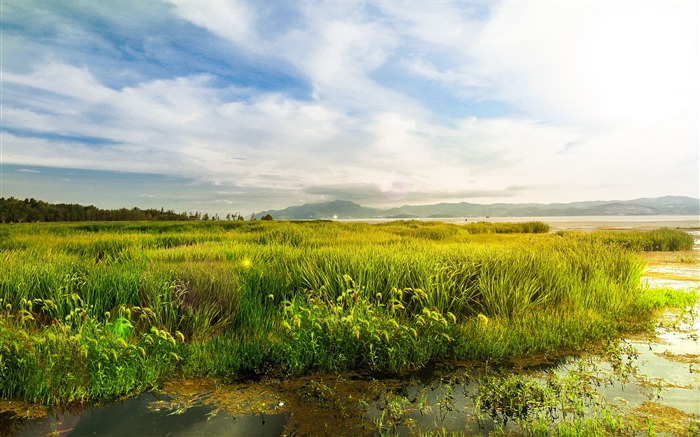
[[92, 311], [663, 239], [76, 358], [533, 227], [197, 299]]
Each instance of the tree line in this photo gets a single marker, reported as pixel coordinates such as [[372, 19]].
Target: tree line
[[14, 210]]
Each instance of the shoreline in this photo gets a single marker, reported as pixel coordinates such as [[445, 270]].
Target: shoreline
[[582, 223]]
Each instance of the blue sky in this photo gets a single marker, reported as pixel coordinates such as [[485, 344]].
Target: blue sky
[[231, 105]]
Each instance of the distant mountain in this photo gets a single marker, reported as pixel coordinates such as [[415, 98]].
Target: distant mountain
[[327, 210], [341, 209]]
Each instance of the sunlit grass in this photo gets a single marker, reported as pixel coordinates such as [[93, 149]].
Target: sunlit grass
[[92, 311]]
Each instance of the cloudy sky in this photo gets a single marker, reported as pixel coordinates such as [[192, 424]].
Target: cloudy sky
[[233, 105]]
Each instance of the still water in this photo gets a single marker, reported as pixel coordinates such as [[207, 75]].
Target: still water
[[145, 415]]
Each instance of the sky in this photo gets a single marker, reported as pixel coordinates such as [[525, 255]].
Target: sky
[[243, 106]]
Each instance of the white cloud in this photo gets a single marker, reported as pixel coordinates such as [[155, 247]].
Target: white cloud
[[445, 25], [182, 121], [181, 127], [593, 61], [230, 19], [603, 103]]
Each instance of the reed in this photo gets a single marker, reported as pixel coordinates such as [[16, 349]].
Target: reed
[[117, 306], [664, 239], [533, 227], [197, 299]]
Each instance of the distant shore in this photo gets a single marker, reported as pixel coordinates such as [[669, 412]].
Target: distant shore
[[582, 223]]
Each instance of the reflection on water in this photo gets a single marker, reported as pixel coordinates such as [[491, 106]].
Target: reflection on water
[[147, 414]]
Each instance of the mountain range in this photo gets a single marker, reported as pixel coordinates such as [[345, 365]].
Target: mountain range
[[342, 209]]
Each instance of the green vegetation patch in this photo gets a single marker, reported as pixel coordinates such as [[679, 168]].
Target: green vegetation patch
[[95, 311]]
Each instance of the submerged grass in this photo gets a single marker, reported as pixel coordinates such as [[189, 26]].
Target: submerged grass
[[93, 311]]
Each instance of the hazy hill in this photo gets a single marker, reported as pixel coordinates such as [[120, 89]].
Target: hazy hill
[[327, 210], [667, 205]]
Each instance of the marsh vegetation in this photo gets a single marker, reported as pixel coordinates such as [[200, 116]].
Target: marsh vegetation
[[95, 311]]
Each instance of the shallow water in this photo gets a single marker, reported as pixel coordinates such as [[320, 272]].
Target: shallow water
[[677, 270], [648, 379], [151, 414]]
